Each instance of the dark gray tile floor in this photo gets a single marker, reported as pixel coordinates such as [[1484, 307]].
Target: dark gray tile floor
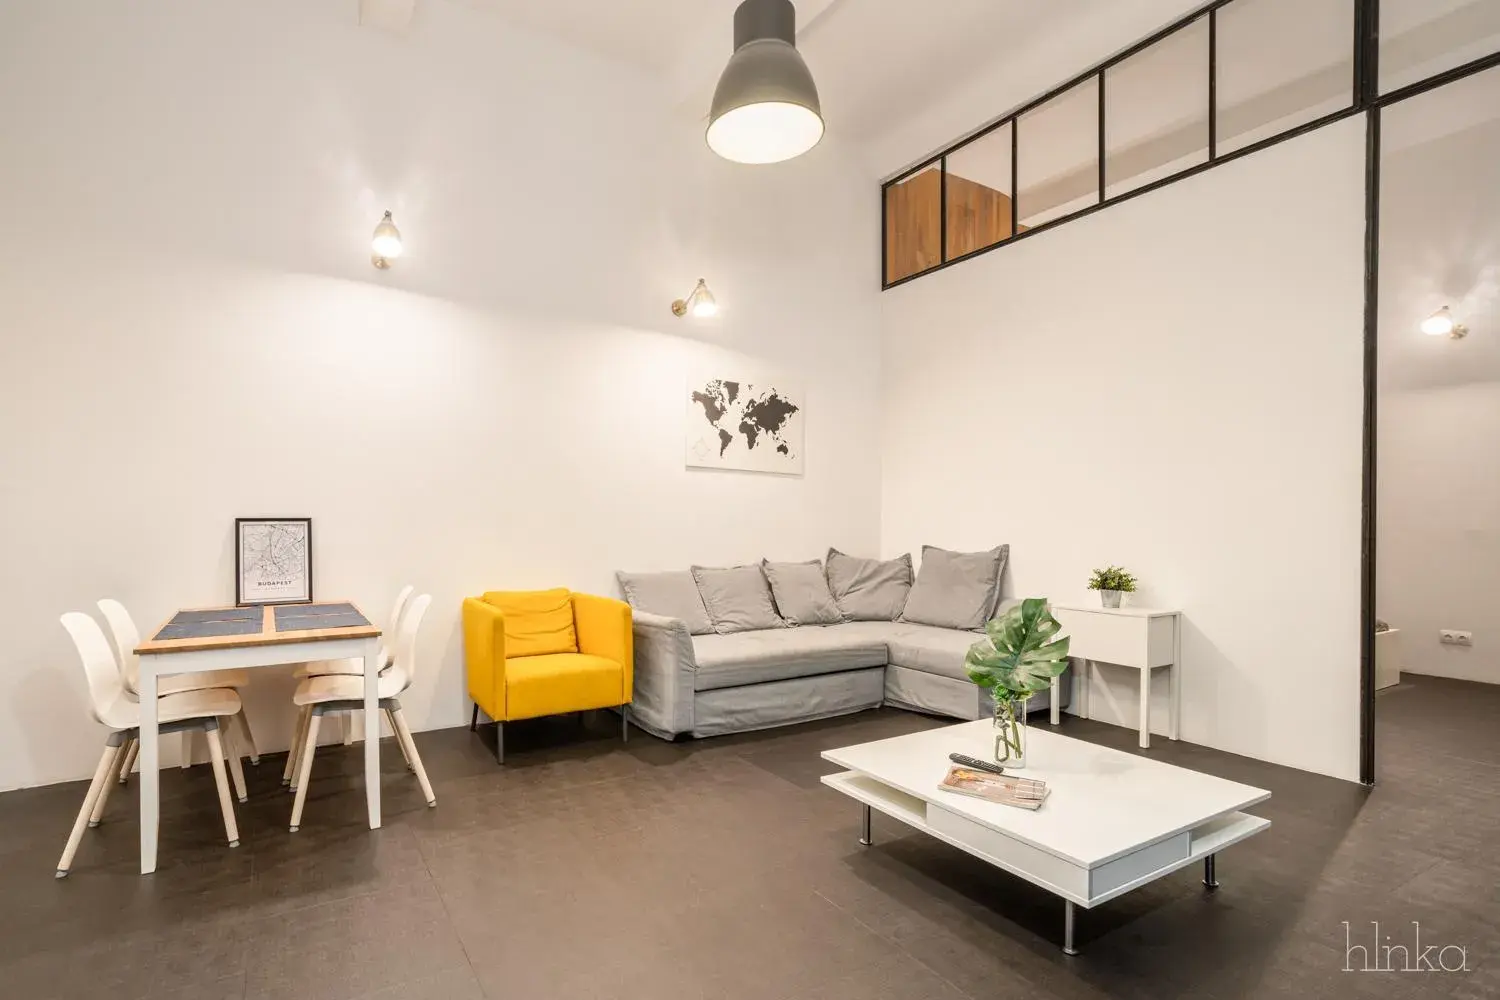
[[722, 869]]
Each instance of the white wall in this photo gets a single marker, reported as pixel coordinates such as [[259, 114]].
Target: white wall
[[190, 328], [1439, 515], [1172, 385], [1439, 410]]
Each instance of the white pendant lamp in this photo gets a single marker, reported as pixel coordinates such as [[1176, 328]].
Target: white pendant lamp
[[765, 107]]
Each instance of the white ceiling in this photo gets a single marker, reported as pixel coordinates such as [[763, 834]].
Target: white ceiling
[[875, 61], [646, 33]]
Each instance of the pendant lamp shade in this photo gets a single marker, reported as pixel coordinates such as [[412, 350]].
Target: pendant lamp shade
[[765, 107]]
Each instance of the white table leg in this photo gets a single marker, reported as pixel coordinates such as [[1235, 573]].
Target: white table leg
[[150, 764], [372, 746], [1083, 696], [1175, 677], [1056, 710], [1145, 708]]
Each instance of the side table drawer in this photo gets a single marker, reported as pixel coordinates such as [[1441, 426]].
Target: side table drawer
[[1123, 639]]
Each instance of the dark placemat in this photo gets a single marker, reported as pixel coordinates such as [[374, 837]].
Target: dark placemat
[[306, 622], [217, 615], [307, 610], [205, 630]]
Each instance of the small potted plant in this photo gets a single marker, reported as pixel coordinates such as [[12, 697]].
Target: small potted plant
[[1112, 582], [1018, 658]]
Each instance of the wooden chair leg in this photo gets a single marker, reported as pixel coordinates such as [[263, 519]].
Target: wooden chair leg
[[409, 747], [304, 767], [103, 799], [399, 741], [348, 724], [135, 751], [243, 721], [187, 749], [101, 778], [232, 751], [294, 752], [216, 757]]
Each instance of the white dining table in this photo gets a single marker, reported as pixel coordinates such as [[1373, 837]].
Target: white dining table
[[282, 634]]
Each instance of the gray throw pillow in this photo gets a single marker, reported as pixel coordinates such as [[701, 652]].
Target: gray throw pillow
[[737, 598], [869, 590], [956, 589], [801, 592], [673, 594]]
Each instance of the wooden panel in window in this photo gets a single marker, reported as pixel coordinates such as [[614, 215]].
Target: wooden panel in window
[[978, 216], [913, 225]]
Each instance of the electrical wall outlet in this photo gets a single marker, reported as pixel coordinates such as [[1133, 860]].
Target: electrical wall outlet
[[1453, 637]]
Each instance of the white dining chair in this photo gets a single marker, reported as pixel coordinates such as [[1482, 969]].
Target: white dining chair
[[127, 637], [336, 693], [111, 705], [352, 667]]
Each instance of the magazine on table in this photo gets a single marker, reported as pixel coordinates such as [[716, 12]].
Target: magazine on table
[[1024, 793]]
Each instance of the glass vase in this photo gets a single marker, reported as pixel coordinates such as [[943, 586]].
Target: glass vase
[[1010, 732]]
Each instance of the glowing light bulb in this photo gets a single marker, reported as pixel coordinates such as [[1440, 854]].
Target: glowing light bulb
[[385, 245]]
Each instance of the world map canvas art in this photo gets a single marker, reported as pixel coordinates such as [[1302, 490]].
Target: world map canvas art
[[751, 426]]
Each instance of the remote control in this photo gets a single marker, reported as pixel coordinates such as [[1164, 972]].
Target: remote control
[[983, 765]]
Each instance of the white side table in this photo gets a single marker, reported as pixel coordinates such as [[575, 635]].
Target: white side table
[[1143, 638]]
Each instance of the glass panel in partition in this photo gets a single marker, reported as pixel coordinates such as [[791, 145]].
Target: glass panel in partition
[[979, 193], [1156, 110], [913, 224], [1421, 38], [1281, 64], [1058, 168], [1439, 216]]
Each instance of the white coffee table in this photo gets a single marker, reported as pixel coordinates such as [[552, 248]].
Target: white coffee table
[[1113, 820]]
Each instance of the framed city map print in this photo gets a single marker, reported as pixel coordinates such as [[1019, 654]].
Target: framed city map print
[[750, 426], [272, 560]]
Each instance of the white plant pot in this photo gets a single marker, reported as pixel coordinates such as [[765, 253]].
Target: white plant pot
[[1111, 598]]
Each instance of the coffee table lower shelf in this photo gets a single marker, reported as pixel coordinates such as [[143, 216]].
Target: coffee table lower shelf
[[1079, 884]]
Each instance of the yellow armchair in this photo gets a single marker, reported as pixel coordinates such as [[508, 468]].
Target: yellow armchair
[[546, 652]]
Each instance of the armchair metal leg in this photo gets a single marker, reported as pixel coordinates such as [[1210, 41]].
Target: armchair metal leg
[[624, 723], [474, 719], [499, 743]]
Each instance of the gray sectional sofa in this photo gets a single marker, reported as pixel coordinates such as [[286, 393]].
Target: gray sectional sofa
[[714, 668]]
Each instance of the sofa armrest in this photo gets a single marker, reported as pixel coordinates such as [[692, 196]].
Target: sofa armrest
[[484, 656], [664, 670], [604, 629]]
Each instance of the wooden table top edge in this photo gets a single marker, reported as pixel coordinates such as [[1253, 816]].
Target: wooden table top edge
[[267, 636]]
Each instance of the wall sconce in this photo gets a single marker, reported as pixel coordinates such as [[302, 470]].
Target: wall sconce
[[1440, 324], [700, 302], [385, 245]]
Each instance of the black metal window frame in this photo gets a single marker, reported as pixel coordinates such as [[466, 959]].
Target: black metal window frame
[[1365, 99], [1363, 95]]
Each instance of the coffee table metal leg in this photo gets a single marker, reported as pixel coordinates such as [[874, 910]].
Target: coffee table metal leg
[[864, 827], [1209, 879], [1068, 948]]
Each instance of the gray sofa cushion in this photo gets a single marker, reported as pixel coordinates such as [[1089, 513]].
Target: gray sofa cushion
[[869, 589], [955, 589], [738, 599], [931, 649], [672, 595], [778, 654], [801, 592]]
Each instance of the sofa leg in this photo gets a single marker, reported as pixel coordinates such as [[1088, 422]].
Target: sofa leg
[[499, 743], [474, 719], [624, 723]]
